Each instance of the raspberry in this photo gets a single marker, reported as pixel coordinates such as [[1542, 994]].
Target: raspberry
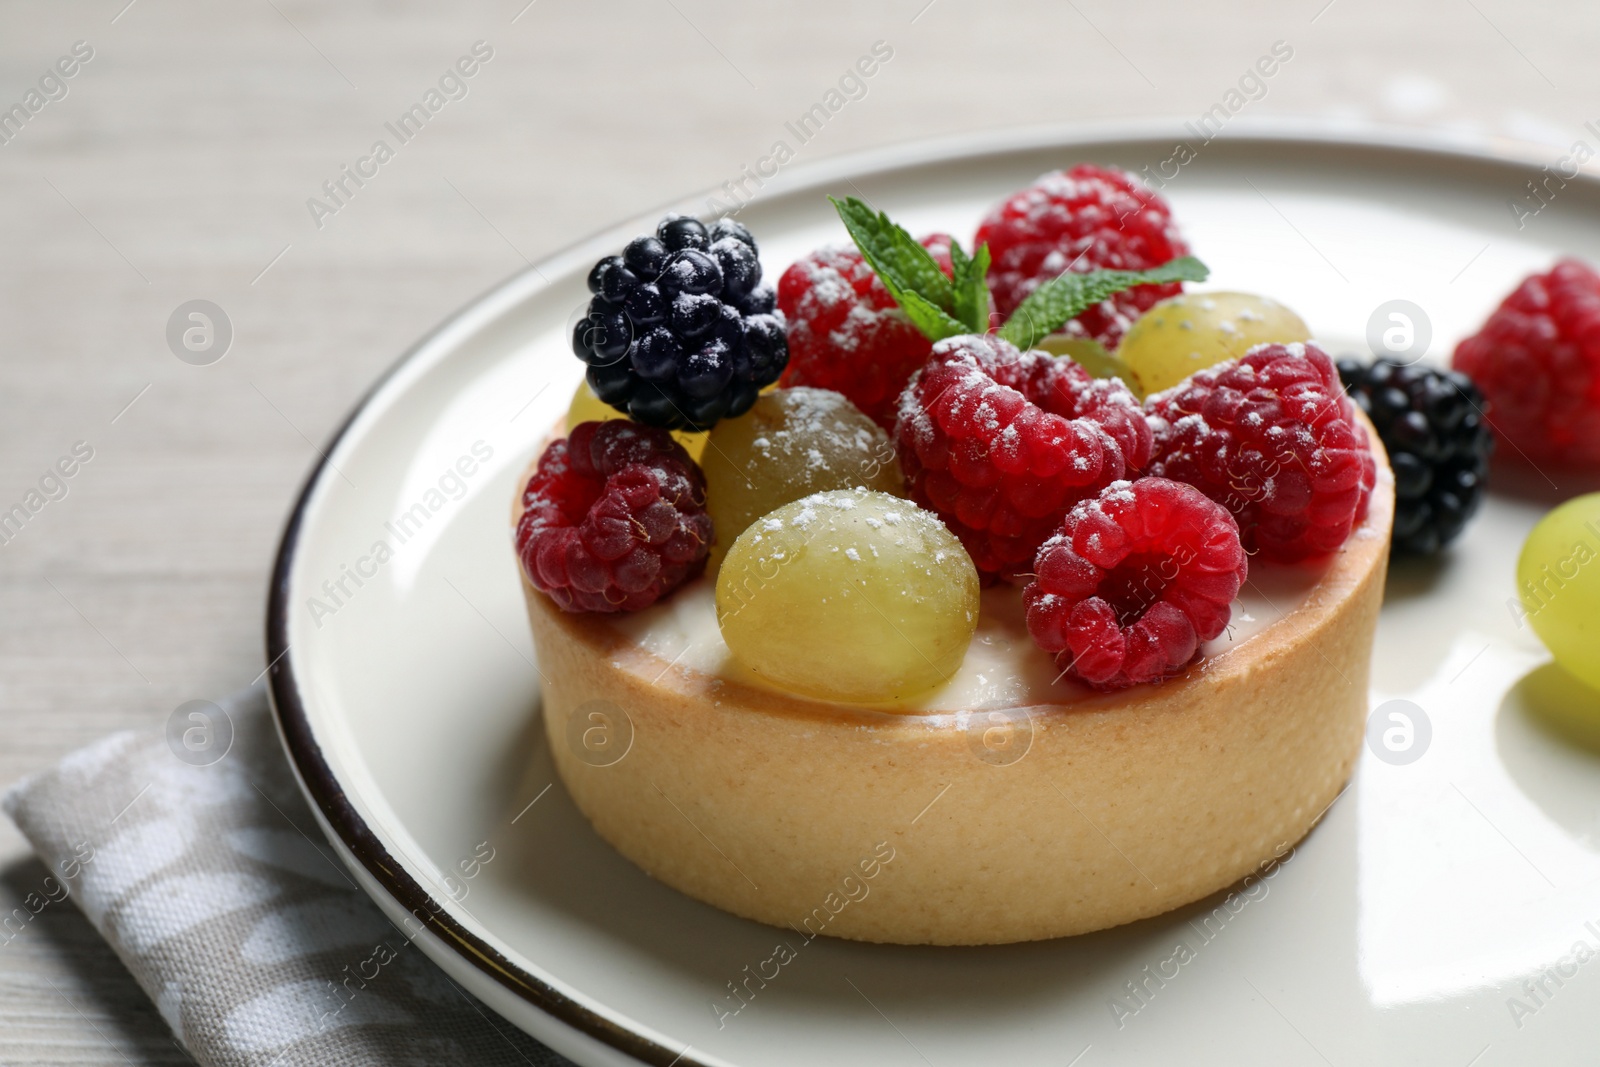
[[1430, 423], [1135, 580], [615, 518], [1083, 219], [678, 333], [847, 334], [1273, 438], [1000, 443], [1537, 361]]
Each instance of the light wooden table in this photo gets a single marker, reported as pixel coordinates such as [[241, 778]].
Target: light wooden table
[[179, 164]]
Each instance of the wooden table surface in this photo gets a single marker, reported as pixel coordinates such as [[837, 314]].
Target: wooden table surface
[[179, 164]]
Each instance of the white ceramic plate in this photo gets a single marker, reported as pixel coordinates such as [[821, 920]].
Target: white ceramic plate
[[1412, 926]]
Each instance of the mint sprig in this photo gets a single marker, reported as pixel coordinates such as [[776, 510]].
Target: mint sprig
[[970, 291], [937, 305], [942, 306], [934, 321], [1068, 295]]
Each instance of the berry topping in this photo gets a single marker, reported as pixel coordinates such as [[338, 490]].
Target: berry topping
[[679, 332], [1439, 446], [1537, 361], [1273, 438], [848, 595], [1000, 443], [614, 518], [1082, 219], [792, 443], [846, 333], [1135, 580]]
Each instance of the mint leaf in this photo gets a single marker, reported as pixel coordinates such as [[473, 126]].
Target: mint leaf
[[959, 261], [970, 292], [935, 323], [1067, 296], [936, 304], [894, 255]]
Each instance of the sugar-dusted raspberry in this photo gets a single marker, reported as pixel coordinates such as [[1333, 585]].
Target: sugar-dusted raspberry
[[1083, 219], [615, 518], [1001, 442], [846, 333], [1273, 438], [1537, 361], [1134, 581]]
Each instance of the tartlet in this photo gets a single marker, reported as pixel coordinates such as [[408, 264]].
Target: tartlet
[[968, 826]]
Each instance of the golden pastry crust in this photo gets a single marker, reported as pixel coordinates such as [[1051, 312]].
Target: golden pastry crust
[[929, 828]]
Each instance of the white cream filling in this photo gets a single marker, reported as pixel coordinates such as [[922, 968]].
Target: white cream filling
[[1003, 668]]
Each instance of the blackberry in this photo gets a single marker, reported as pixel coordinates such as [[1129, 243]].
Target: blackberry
[[1431, 421], [680, 332]]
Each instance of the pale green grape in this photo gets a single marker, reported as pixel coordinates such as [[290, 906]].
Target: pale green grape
[[1558, 577], [790, 444], [1193, 331], [849, 595]]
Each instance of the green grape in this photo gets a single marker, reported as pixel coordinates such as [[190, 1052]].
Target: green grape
[[1558, 577], [1193, 331], [849, 595], [790, 444]]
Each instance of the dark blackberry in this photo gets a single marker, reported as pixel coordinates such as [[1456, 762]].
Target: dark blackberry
[[1431, 421], [678, 232], [679, 332], [761, 301], [726, 227]]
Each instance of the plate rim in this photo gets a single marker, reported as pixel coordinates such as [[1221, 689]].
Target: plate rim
[[312, 771]]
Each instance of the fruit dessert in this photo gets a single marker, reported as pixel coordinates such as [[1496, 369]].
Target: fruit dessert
[[1037, 598]]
